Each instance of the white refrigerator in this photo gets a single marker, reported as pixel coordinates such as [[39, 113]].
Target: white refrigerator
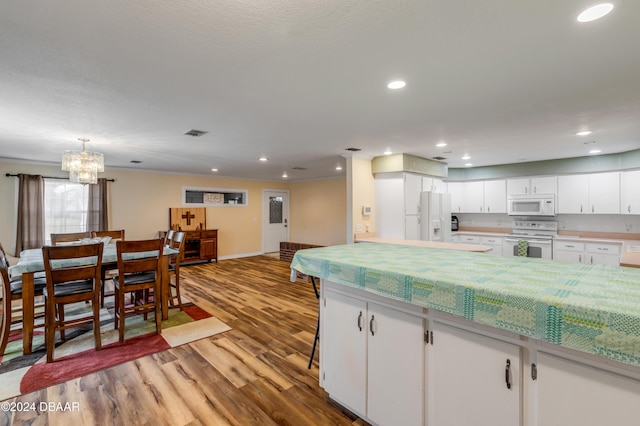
[[435, 216]]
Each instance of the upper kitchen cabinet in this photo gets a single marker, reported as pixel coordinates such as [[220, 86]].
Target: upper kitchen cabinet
[[478, 197], [629, 192], [434, 185], [597, 193], [534, 185]]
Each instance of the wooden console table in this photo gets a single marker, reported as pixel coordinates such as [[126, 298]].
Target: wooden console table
[[199, 246]]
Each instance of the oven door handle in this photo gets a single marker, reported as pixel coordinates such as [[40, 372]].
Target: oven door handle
[[528, 240]]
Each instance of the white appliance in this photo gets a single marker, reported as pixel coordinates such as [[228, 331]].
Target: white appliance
[[532, 205], [537, 233], [435, 216]]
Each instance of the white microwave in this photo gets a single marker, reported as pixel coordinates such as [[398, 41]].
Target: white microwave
[[532, 205]]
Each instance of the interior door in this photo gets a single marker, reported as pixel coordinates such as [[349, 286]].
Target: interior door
[[275, 205]]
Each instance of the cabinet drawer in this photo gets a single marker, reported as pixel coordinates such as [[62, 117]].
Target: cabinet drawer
[[209, 234], [568, 245], [469, 239], [491, 241], [603, 248], [192, 235]]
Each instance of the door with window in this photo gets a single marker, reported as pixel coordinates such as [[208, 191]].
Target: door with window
[[275, 205]]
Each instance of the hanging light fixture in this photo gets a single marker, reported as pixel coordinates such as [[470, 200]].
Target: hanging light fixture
[[83, 167]]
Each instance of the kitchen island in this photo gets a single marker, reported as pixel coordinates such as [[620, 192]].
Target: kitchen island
[[486, 327]]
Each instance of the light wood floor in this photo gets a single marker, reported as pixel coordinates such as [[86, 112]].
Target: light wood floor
[[255, 374]]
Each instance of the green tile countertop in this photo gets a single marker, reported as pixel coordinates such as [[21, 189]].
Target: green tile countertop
[[590, 308]]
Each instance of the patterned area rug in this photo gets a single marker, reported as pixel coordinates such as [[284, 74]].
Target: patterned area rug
[[76, 356]]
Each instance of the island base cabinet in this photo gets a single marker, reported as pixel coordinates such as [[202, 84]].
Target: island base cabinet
[[472, 379], [574, 394], [373, 359]]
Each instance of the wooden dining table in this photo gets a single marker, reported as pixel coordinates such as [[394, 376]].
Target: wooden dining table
[[32, 261]]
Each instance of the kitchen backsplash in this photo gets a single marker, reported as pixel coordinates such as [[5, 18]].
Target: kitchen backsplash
[[566, 222]]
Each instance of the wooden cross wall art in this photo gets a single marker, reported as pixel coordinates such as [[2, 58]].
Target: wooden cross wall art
[[187, 218]]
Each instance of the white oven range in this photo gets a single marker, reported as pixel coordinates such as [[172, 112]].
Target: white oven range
[[538, 234]]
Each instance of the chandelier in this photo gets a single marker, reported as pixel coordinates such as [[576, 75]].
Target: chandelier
[[83, 167]]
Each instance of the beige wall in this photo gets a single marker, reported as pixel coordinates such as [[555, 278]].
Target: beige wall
[[319, 212], [140, 203], [363, 193]]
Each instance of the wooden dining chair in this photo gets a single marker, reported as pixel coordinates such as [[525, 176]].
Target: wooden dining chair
[[117, 235], [73, 275], [114, 235], [174, 268], [138, 272], [68, 237], [168, 237], [10, 291]]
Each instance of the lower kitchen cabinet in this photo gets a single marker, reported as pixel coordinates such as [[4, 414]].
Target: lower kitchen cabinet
[[591, 253], [373, 359], [574, 394], [472, 379]]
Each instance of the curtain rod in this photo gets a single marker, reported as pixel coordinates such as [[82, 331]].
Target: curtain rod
[[52, 177]]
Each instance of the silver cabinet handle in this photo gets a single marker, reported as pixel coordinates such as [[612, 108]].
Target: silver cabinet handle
[[629, 208], [603, 248], [535, 190], [592, 260], [526, 190], [488, 209], [507, 373], [360, 321], [371, 326], [580, 208], [579, 258], [568, 246], [592, 209]]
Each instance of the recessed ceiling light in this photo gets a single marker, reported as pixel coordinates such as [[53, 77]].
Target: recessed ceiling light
[[441, 144], [595, 12], [595, 151], [468, 165], [214, 170], [263, 159], [466, 157], [584, 133], [396, 84], [284, 175], [338, 168], [388, 152]]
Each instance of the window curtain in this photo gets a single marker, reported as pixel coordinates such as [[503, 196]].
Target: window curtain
[[97, 210], [30, 233]]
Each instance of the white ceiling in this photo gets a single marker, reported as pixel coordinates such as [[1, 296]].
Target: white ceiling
[[299, 81]]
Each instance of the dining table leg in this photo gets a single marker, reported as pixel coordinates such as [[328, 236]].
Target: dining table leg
[[28, 312]]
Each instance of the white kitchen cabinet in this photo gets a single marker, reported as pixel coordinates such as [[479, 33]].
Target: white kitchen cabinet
[[434, 185], [478, 196], [472, 379], [575, 394], [592, 253], [597, 193], [533, 185], [412, 190], [629, 192], [495, 196], [373, 359], [456, 190], [495, 243], [412, 227], [468, 239]]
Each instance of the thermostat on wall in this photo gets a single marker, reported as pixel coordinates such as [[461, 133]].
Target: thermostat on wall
[[366, 210]]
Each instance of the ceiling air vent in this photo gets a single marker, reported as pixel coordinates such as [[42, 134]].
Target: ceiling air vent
[[195, 133], [439, 158], [353, 149], [299, 168]]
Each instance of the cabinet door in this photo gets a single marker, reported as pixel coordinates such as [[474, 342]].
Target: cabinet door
[[473, 201], [389, 208], [604, 193], [544, 185], [629, 192], [395, 367], [412, 227], [573, 194], [208, 249], [344, 355], [517, 186], [467, 379], [603, 254], [568, 256], [495, 196], [439, 186], [412, 189], [456, 189], [427, 184], [573, 394]]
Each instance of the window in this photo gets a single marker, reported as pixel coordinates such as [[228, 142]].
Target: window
[[65, 207], [197, 196]]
